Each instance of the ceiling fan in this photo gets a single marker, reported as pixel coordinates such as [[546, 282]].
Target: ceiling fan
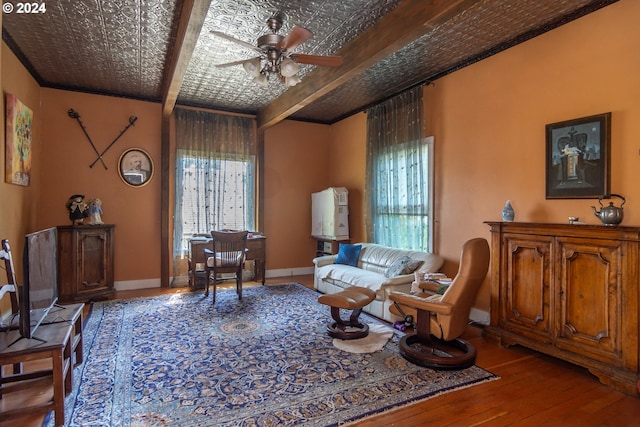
[[276, 52]]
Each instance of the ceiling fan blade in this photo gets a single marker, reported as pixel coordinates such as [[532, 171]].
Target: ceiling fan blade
[[324, 61], [231, 64], [235, 40], [296, 36]]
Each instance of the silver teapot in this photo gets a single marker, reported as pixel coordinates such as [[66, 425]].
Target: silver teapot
[[610, 215]]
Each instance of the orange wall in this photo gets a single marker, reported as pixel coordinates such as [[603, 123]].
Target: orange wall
[[296, 165], [489, 125], [135, 211], [489, 120], [347, 161], [18, 203]]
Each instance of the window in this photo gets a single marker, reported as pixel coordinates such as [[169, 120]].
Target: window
[[399, 183], [217, 194], [401, 213], [215, 182]]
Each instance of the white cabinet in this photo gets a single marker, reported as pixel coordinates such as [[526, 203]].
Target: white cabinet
[[330, 214]]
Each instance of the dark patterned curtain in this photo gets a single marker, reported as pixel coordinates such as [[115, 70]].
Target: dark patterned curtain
[[215, 177], [397, 190]]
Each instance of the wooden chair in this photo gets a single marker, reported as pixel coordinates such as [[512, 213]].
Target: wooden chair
[[11, 287], [441, 319], [228, 256]]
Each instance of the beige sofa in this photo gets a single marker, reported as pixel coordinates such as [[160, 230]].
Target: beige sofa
[[373, 265]]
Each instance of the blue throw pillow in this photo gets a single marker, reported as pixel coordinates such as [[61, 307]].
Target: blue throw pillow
[[348, 254]]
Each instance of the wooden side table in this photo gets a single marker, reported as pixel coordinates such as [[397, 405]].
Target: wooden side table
[[328, 246], [257, 251], [61, 332]]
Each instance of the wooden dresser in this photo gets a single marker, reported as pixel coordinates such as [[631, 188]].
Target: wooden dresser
[[570, 291], [85, 262]]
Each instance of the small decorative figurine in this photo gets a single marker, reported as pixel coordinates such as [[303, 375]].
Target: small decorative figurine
[[95, 210], [77, 209]]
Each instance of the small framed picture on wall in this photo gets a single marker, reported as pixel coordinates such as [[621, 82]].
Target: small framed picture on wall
[[135, 167], [577, 158]]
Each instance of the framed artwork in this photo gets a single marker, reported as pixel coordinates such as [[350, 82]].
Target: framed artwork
[[135, 167], [18, 142], [577, 158]]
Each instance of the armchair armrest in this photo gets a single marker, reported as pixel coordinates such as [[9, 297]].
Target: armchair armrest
[[324, 260], [421, 303], [403, 279]]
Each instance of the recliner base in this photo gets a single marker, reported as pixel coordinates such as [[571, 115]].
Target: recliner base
[[417, 351], [348, 331]]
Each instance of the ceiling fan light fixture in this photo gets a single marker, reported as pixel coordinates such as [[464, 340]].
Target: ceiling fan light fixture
[[275, 49], [261, 79], [252, 67], [288, 67], [292, 81]]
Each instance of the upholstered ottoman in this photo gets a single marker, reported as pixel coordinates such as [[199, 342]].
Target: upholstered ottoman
[[353, 298]]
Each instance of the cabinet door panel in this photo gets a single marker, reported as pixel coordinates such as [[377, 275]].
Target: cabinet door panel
[[588, 295], [85, 262], [527, 276], [92, 263]]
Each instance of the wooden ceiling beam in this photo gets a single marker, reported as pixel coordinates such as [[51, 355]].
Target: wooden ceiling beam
[[190, 21], [408, 22], [192, 16]]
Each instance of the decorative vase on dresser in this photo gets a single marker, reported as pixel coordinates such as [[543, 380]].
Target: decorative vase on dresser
[[569, 291], [85, 262], [508, 213]]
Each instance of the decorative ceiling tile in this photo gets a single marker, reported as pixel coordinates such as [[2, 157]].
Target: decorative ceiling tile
[[117, 47], [122, 47], [333, 24]]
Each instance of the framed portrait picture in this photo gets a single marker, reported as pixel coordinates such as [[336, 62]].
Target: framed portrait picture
[[135, 167], [577, 158]]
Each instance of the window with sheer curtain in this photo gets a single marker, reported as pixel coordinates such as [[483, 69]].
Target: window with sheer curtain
[[215, 177], [399, 170]]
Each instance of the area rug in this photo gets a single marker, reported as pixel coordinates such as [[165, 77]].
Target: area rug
[[267, 360], [375, 341]]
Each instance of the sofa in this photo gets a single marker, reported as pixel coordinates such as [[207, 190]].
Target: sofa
[[380, 268]]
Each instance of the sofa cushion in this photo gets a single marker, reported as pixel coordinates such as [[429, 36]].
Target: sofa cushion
[[351, 276], [348, 254], [378, 258], [403, 265]]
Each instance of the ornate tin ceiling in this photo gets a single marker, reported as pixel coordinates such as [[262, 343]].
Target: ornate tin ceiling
[[124, 47]]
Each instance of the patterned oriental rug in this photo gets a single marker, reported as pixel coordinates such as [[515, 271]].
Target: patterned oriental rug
[[178, 360]]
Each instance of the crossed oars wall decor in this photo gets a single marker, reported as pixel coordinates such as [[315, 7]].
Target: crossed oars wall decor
[[75, 115]]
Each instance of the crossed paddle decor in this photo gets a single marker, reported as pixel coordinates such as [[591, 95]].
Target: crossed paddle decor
[[75, 115]]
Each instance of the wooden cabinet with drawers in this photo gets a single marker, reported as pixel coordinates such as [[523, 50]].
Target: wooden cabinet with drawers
[[570, 291], [85, 262]]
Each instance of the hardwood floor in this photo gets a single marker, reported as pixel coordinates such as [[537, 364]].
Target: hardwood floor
[[533, 390]]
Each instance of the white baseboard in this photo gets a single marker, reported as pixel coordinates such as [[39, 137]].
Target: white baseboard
[[286, 272], [129, 285], [479, 316]]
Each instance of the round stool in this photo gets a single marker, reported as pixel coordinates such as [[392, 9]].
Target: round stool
[[353, 298]]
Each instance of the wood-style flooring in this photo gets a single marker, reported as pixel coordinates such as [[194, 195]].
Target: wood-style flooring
[[533, 390]]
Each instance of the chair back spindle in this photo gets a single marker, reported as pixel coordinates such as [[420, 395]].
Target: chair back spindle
[[227, 255], [12, 287]]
